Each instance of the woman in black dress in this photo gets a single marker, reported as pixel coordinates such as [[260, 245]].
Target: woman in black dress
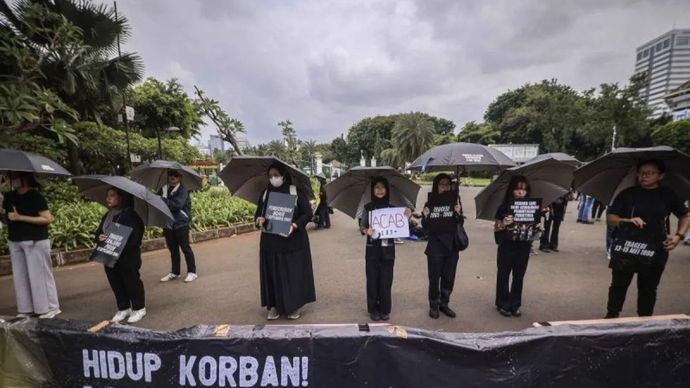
[[322, 211], [286, 274]]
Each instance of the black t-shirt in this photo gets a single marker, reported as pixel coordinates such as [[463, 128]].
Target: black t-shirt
[[652, 205], [28, 204]]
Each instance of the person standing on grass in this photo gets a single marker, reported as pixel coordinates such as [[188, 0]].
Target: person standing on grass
[[176, 232]]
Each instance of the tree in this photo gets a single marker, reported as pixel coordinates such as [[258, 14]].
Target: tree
[[276, 148], [675, 134], [484, 133], [160, 105], [412, 135], [227, 127], [290, 139], [307, 150], [339, 148]]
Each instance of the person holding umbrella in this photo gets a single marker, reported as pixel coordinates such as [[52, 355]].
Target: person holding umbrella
[[512, 256], [286, 274], [646, 206], [27, 233], [124, 277], [176, 233], [442, 252], [379, 254], [322, 211]]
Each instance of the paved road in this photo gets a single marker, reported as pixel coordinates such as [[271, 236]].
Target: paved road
[[572, 284]]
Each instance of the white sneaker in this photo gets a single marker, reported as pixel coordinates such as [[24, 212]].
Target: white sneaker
[[295, 315], [169, 277], [121, 315], [190, 277], [137, 315], [50, 314], [273, 314], [23, 315]]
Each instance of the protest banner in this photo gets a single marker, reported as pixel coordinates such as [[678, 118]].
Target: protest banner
[[442, 212], [108, 251], [526, 214], [280, 208], [390, 222]]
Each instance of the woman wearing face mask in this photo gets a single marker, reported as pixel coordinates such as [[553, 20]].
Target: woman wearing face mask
[[124, 278], [287, 277], [512, 255], [379, 254], [442, 252], [28, 219]]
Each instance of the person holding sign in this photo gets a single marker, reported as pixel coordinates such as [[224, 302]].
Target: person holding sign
[[176, 232], [123, 276], [514, 234], [441, 216], [286, 274], [379, 251], [27, 234], [643, 208]]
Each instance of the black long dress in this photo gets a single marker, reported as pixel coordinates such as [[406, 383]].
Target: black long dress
[[322, 210], [286, 274]]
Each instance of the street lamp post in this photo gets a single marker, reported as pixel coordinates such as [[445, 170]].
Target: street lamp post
[[158, 134]]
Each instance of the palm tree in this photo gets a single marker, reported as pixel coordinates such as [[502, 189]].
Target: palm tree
[[307, 150], [412, 135], [228, 127], [277, 148]]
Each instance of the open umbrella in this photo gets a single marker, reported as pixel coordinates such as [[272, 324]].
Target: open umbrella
[[246, 176], [559, 156], [15, 160], [352, 190], [150, 207], [616, 171], [548, 179], [155, 174], [461, 156]]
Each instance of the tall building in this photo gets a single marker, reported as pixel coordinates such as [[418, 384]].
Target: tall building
[[215, 142], [666, 62]]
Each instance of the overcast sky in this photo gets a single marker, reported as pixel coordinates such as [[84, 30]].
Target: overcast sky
[[327, 64]]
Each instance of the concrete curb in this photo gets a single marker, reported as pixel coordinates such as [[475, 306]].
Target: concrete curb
[[63, 258]]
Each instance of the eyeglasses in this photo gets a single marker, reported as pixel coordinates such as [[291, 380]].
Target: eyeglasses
[[648, 173]]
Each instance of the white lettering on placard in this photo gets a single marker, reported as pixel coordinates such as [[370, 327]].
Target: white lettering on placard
[[525, 211], [114, 365]]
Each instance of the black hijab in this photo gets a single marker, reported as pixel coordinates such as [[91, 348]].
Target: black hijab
[[437, 179], [378, 203]]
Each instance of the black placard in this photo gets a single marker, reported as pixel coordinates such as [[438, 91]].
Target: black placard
[[280, 208], [526, 214], [442, 212], [108, 251]]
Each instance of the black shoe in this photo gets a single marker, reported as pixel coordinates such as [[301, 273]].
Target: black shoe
[[385, 317], [547, 250], [611, 315], [375, 316], [433, 312], [516, 313], [504, 312], [446, 310], [554, 249]]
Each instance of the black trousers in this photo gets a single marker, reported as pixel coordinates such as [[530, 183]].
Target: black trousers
[[379, 284], [177, 239], [648, 278], [126, 283], [549, 239], [512, 259], [597, 209], [441, 278], [324, 216]]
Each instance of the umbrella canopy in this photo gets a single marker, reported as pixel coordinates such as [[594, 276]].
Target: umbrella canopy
[[15, 160], [548, 179], [155, 174], [247, 176], [150, 207], [559, 156], [468, 156], [616, 171], [352, 190]]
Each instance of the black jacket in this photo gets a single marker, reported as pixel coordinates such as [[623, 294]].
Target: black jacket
[[180, 205]]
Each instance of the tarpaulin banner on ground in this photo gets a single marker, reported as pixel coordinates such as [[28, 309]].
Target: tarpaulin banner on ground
[[56, 353]]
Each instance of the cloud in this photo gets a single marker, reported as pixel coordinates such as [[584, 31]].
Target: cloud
[[327, 64]]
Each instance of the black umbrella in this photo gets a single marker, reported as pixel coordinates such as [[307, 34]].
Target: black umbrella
[[352, 190], [247, 176], [155, 174], [559, 156], [616, 171], [15, 160], [465, 156], [150, 207], [548, 178]]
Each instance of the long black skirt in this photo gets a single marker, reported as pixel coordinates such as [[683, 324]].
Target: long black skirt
[[287, 279]]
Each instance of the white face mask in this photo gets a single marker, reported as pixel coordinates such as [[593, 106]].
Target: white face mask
[[276, 181]]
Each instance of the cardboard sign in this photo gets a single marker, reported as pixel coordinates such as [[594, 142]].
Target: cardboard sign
[[390, 222], [280, 208], [442, 212], [526, 214], [107, 252]]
